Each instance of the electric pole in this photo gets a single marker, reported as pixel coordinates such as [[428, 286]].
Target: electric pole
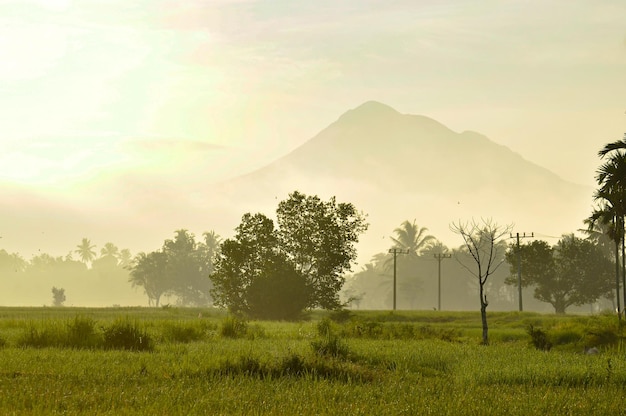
[[519, 266], [440, 257], [395, 252]]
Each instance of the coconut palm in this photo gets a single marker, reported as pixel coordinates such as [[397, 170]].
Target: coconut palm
[[125, 258], [611, 176], [85, 251], [109, 249], [409, 236]]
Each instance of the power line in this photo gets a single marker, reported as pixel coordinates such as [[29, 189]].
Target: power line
[[519, 266], [395, 252], [440, 257]]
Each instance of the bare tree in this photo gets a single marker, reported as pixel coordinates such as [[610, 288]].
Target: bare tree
[[481, 241]]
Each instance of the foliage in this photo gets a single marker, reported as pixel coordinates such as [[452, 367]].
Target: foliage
[[233, 327], [181, 268], [58, 296], [329, 342], [319, 237], [276, 273], [86, 251], [539, 339], [126, 335], [574, 272], [149, 272], [611, 196]]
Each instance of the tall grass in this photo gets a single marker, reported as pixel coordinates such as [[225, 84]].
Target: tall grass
[[404, 365]]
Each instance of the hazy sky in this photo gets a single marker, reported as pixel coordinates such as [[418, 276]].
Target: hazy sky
[[93, 87]]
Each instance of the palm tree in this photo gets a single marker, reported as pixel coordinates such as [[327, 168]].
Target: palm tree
[[109, 249], [611, 176], [125, 258], [85, 251], [409, 236]]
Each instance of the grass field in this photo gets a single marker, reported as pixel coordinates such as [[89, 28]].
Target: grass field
[[171, 361]]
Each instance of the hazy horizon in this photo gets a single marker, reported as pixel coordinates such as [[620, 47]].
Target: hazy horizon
[[104, 99]]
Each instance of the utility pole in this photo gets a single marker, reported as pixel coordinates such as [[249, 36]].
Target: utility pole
[[519, 266], [440, 257], [395, 252]]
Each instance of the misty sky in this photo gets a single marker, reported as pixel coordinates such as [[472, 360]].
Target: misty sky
[[91, 88]]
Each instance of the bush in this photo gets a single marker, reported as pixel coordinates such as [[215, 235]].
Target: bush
[[182, 332], [39, 337], [125, 335], [539, 339], [233, 327], [81, 333], [329, 343]]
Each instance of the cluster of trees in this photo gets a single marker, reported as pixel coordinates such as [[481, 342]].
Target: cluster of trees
[[180, 269], [81, 272], [276, 272]]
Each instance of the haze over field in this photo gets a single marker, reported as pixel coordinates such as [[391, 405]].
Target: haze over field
[[119, 119]]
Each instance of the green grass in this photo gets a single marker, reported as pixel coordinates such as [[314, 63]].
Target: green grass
[[402, 363]]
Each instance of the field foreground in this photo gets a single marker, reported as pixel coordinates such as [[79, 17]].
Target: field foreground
[[173, 361]]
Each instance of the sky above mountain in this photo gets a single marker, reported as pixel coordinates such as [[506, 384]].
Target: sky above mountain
[[93, 89]]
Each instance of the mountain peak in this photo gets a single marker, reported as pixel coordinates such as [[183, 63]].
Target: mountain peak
[[368, 110]]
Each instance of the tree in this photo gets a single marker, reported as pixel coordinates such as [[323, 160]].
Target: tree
[[611, 176], [85, 251], [307, 253], [188, 269], [574, 272], [481, 242], [409, 236], [413, 240], [605, 218], [210, 249], [58, 296], [149, 271], [109, 249], [242, 261], [319, 237], [125, 258]]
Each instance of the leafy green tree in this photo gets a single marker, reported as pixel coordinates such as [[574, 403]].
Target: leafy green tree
[[307, 254], [242, 261], [188, 270], [279, 291], [574, 272], [85, 251], [319, 237], [58, 296], [481, 241], [149, 271], [11, 263]]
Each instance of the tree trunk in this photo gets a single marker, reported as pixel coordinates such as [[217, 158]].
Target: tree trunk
[[483, 314], [559, 306], [619, 311]]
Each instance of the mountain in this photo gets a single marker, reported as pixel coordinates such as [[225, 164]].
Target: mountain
[[398, 167], [392, 166]]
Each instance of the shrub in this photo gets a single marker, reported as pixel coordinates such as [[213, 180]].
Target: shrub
[[233, 327], [182, 332], [125, 335], [539, 339], [81, 333], [329, 344], [39, 337]]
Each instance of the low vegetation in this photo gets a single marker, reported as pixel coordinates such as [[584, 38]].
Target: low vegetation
[[190, 361]]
